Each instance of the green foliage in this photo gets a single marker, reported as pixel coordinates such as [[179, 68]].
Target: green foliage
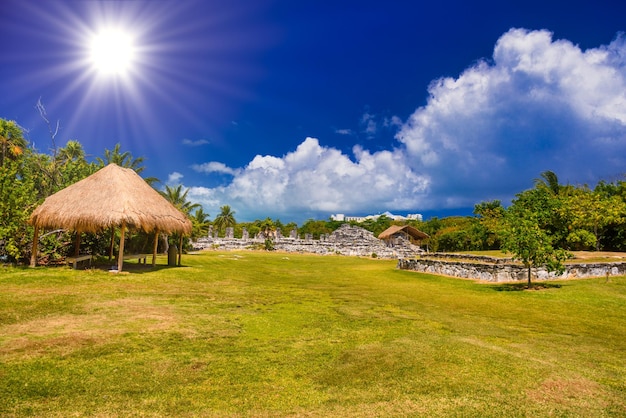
[[318, 227], [201, 223], [225, 219], [376, 226], [590, 212], [16, 204], [614, 233], [569, 217], [12, 142], [523, 236], [27, 177], [177, 197], [458, 233], [268, 245]]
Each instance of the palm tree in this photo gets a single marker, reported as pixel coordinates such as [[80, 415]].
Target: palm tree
[[267, 226], [178, 198], [124, 159], [72, 151], [201, 223], [550, 181], [225, 219]]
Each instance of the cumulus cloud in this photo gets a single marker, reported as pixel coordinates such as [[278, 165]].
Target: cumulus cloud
[[538, 104], [214, 167], [315, 179], [174, 178]]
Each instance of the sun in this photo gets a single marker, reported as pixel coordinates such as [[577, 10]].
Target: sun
[[112, 52]]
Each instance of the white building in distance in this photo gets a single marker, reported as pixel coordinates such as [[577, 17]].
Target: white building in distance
[[343, 218]]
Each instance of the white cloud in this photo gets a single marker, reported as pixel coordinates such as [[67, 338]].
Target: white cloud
[[539, 105], [317, 179], [344, 131], [214, 167], [174, 178], [196, 143], [369, 125]]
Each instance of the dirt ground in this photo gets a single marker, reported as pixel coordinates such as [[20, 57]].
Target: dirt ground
[[597, 255]]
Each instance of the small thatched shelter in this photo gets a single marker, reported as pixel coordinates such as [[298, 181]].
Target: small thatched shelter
[[406, 232], [112, 197]]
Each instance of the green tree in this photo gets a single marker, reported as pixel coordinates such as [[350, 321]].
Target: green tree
[[290, 226], [18, 195], [225, 219], [17, 200], [547, 209], [72, 164], [614, 236], [522, 236], [124, 159], [178, 197], [12, 142], [315, 228], [490, 216], [376, 226], [201, 223], [267, 226], [590, 213], [549, 181]]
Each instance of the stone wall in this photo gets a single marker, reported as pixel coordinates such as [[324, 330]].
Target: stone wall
[[506, 271], [346, 240]]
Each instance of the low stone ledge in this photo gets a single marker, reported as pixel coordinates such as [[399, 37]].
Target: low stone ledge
[[468, 257], [509, 272]]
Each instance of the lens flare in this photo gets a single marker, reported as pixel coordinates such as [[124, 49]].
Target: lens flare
[[112, 52]]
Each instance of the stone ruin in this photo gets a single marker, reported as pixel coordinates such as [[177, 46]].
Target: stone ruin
[[346, 240], [492, 269]]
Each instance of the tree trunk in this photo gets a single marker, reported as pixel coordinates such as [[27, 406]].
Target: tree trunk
[[33, 252], [529, 274]]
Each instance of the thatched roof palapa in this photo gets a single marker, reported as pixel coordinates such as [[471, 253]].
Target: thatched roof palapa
[[112, 197], [414, 233]]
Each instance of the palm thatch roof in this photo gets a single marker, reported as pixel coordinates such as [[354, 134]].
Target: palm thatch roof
[[393, 230], [113, 196]]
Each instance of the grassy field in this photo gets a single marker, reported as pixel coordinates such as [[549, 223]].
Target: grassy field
[[269, 334]]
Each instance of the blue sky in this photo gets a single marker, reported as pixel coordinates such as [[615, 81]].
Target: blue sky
[[302, 109]]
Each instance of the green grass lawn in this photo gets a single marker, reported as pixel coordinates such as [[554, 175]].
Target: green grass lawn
[[269, 334]]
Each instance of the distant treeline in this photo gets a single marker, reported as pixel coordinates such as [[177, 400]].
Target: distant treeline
[[571, 217]]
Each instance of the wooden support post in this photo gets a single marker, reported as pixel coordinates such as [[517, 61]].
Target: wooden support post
[[35, 248], [112, 243], [77, 244], [154, 249], [180, 250], [120, 259]]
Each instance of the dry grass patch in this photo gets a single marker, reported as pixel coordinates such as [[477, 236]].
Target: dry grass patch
[[569, 394]]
